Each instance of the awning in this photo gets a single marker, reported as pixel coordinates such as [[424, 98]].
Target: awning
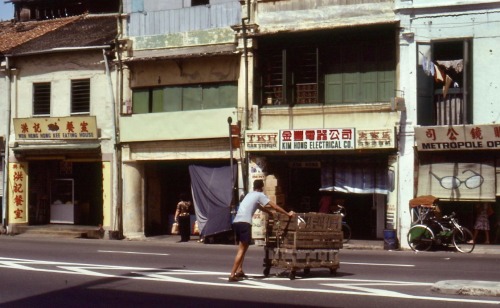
[[181, 53], [57, 149], [457, 181]]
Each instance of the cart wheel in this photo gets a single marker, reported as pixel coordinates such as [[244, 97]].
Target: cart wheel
[[307, 270], [292, 275], [333, 271], [267, 270]]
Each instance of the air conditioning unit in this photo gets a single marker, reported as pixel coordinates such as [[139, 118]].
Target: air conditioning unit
[[398, 103], [254, 117]]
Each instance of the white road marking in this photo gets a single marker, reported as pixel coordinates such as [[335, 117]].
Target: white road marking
[[380, 264], [341, 286], [134, 252]]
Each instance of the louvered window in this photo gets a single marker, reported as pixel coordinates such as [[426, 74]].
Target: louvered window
[[80, 96], [41, 98]]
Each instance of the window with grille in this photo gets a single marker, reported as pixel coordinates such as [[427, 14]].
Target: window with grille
[[329, 68], [41, 98], [80, 96]]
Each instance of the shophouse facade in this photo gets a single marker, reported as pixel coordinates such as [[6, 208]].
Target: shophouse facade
[[450, 138], [181, 76], [325, 106], [279, 72], [60, 135]]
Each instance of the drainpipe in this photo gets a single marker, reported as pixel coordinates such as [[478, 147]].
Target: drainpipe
[[6, 149], [117, 219], [115, 129], [118, 149], [244, 22]]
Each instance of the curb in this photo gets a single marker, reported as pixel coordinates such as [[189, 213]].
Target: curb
[[467, 287]]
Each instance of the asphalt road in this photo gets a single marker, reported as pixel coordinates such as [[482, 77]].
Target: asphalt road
[[40, 272]]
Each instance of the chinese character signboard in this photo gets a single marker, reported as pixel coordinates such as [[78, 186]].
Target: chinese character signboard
[[458, 138], [18, 190], [55, 128], [317, 139], [261, 141], [375, 139]]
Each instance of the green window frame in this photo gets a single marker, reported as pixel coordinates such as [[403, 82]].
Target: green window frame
[[332, 68], [184, 98]]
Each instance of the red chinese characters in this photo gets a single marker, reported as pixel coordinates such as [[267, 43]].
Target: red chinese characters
[[18, 191]]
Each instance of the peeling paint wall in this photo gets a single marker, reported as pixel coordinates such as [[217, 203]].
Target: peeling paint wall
[[296, 15], [59, 71], [185, 39]]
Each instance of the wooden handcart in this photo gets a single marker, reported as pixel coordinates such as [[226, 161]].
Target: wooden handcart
[[309, 240]]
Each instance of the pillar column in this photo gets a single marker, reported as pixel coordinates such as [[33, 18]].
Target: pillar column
[[133, 200]]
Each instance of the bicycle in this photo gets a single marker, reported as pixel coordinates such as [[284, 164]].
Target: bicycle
[[346, 229], [445, 231]]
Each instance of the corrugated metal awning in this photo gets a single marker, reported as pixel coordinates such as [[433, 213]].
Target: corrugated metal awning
[[177, 53]]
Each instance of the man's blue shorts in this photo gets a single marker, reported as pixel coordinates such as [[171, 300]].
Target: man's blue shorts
[[243, 232]]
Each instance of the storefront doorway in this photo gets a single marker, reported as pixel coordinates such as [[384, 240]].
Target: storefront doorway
[[301, 180], [63, 192]]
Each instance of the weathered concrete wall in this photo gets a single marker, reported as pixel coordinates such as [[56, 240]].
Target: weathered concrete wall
[[299, 15], [59, 71]]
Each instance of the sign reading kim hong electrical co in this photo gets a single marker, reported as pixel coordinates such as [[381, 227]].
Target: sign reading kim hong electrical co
[[317, 139], [458, 137], [55, 128]]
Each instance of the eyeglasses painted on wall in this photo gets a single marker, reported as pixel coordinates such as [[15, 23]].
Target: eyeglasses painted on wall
[[452, 182]]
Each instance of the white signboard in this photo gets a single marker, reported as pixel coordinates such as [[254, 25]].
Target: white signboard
[[317, 139], [458, 137]]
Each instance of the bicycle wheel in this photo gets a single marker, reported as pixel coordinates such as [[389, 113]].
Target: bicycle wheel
[[420, 238], [346, 230], [463, 240]]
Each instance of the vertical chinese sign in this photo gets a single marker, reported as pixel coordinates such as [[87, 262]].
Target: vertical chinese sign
[[18, 190]]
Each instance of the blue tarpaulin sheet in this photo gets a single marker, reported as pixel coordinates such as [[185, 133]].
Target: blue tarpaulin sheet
[[212, 195]]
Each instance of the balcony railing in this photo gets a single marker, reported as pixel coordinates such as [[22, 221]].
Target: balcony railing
[[450, 110]]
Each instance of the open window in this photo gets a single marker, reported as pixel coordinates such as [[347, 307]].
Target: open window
[[444, 83], [340, 67]]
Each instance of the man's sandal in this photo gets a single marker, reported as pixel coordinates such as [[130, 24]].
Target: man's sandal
[[233, 279], [240, 275]]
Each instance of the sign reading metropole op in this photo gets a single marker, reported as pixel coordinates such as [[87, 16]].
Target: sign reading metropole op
[[458, 137]]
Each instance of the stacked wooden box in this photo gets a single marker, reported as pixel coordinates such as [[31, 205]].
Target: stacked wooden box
[[273, 190], [308, 231], [308, 240]]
